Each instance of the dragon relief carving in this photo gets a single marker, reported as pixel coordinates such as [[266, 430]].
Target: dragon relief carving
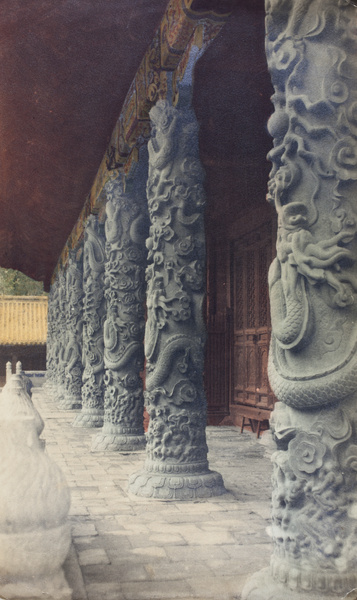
[[313, 506], [175, 332], [73, 350], [93, 317], [52, 338], [311, 49], [313, 185], [61, 338], [126, 227]]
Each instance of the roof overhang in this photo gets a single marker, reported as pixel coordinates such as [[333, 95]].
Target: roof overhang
[[67, 70]]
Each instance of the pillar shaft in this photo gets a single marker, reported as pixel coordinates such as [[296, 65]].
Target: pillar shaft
[[51, 338], [176, 466], [126, 229], [52, 343], [72, 398], [312, 57], [61, 337], [94, 308]]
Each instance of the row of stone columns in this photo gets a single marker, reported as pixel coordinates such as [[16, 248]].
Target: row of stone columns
[[311, 50], [154, 231]]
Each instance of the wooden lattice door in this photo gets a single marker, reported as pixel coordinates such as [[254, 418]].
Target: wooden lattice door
[[251, 257]]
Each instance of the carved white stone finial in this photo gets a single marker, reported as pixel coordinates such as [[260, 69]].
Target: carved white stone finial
[[15, 403], [18, 368], [8, 370], [34, 499]]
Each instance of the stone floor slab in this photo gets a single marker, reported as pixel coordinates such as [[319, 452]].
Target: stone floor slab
[[96, 556], [156, 590], [130, 548]]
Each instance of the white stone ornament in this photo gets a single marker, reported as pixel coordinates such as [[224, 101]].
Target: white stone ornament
[[34, 499], [8, 371], [16, 404]]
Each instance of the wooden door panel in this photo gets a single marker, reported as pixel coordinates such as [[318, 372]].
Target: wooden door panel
[[251, 257]]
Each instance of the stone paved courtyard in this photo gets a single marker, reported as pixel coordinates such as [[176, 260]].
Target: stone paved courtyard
[[126, 548]]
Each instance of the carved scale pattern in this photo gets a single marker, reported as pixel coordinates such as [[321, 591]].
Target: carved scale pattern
[[94, 308], [176, 466], [73, 352], [126, 228]]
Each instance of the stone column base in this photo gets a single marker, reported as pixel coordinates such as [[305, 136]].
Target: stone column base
[[112, 438], [262, 586], [69, 403], [50, 391], [89, 417], [170, 486], [59, 395]]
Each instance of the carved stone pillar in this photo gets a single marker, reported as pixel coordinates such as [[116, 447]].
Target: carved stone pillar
[[51, 338], [17, 403], [61, 333], [94, 308], [312, 57], [176, 466], [126, 228], [72, 398]]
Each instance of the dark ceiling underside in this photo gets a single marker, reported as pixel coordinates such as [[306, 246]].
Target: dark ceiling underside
[[66, 66]]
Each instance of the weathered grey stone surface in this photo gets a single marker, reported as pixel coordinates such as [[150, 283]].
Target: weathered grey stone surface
[[94, 309], [126, 228], [61, 338], [52, 339], [312, 57], [176, 465], [74, 333]]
